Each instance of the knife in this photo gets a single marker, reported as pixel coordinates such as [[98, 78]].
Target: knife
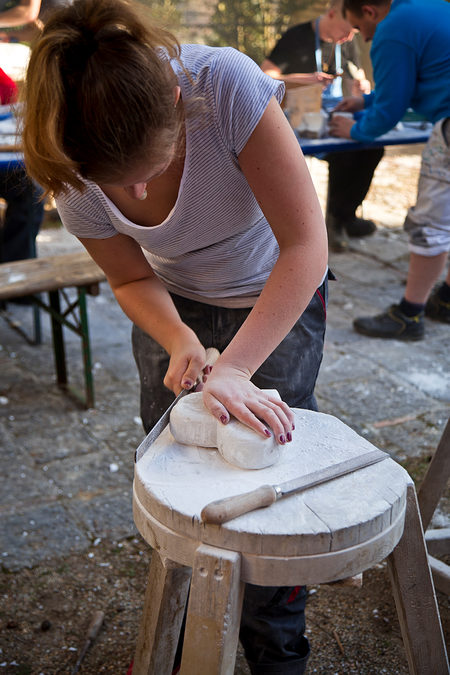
[[223, 510], [212, 354]]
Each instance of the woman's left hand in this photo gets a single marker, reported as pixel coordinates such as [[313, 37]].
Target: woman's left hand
[[228, 391]]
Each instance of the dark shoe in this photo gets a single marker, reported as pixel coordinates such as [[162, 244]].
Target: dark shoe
[[337, 238], [360, 227], [436, 308], [392, 324]]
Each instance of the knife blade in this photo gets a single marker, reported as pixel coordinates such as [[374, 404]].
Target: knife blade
[[223, 510], [212, 355]]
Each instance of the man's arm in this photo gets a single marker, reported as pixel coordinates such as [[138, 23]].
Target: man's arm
[[26, 11], [294, 79]]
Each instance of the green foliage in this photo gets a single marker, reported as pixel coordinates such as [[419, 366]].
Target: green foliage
[[252, 26], [166, 13]]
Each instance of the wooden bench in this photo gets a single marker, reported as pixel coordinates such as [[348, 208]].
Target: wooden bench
[[54, 275]]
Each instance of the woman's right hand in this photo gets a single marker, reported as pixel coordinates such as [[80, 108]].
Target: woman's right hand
[[187, 360]]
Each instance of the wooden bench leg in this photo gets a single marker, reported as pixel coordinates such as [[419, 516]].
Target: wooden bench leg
[[214, 613], [415, 597], [165, 600], [37, 325], [86, 348], [58, 339]]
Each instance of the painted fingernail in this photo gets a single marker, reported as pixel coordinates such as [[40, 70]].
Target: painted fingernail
[[207, 370], [267, 432], [289, 436], [187, 384], [223, 419], [293, 426], [282, 439]]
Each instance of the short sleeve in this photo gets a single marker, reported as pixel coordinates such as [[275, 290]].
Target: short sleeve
[[83, 215], [241, 94]]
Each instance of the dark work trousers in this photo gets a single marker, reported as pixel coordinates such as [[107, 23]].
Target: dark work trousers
[[23, 216], [349, 177], [273, 620]]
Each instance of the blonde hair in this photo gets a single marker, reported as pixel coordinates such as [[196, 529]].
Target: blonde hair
[[99, 95]]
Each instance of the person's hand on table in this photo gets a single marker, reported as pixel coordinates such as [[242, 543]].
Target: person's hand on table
[[228, 391], [340, 126], [350, 104]]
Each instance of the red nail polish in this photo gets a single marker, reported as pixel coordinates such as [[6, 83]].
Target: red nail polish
[[223, 419], [289, 436], [282, 439], [267, 432]]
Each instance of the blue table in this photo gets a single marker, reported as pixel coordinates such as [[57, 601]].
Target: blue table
[[8, 125], [10, 160], [404, 134]]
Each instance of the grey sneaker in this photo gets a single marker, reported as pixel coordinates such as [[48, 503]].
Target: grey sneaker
[[392, 324], [436, 308]]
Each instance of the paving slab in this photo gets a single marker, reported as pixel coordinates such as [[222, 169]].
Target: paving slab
[[109, 516], [30, 536]]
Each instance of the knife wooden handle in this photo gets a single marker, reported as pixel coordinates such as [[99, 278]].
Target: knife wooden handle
[[212, 354], [223, 510]]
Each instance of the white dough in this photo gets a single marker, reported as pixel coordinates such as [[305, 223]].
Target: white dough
[[191, 423], [241, 446]]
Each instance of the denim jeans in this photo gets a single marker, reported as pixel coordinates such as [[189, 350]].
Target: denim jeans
[[273, 619]]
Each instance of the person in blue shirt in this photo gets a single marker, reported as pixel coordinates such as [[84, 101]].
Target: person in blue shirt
[[411, 64]]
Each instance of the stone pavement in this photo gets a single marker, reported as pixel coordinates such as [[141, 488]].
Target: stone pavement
[[66, 472]]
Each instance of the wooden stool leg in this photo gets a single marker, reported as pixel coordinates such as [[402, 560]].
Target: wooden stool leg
[[164, 603], [214, 613], [415, 597], [436, 478]]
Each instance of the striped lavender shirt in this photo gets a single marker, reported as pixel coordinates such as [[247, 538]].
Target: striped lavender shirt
[[216, 245]]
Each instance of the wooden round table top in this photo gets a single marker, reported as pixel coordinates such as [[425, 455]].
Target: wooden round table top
[[173, 483]]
